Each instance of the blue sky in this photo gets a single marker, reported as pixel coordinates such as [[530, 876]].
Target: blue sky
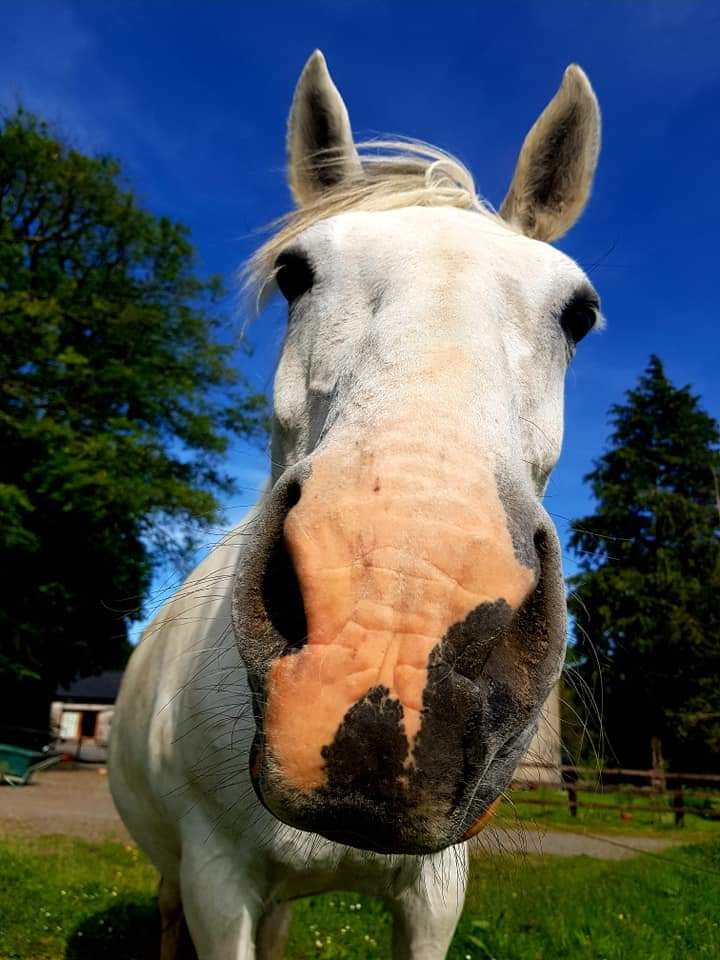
[[193, 97]]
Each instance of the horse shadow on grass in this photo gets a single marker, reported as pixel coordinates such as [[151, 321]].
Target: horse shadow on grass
[[125, 931]]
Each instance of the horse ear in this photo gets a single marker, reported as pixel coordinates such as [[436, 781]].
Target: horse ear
[[554, 173], [320, 147]]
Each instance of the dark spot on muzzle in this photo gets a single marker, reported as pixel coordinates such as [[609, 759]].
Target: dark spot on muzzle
[[366, 757], [487, 682]]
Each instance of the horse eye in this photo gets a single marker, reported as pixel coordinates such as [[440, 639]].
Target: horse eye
[[578, 318], [293, 275]]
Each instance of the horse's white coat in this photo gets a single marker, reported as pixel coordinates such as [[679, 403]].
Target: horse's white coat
[[179, 775], [395, 291]]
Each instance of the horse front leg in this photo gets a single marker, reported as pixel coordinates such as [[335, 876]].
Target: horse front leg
[[175, 942], [272, 934], [426, 913], [223, 904]]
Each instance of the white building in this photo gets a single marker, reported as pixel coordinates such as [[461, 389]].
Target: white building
[[81, 714]]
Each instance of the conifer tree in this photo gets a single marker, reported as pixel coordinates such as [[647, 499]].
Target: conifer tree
[[645, 603]]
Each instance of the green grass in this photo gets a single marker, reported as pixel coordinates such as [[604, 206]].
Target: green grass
[[66, 898], [662, 820], [62, 898], [548, 910]]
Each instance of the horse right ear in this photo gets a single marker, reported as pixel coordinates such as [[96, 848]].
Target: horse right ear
[[554, 173], [320, 147]]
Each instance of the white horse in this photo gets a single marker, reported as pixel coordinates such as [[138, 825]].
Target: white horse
[[339, 694]]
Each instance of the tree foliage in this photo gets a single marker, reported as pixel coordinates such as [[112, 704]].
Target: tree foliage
[[118, 396], [645, 602]]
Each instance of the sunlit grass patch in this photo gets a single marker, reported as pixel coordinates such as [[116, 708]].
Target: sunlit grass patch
[[64, 898], [56, 892], [340, 927], [551, 908], [658, 907]]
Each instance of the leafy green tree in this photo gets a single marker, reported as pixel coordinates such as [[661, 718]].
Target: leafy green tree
[[645, 602], [118, 396]]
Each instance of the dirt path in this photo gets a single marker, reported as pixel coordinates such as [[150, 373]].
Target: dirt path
[[77, 802], [561, 843]]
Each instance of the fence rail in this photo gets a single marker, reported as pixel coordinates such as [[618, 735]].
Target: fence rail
[[676, 799], [653, 773]]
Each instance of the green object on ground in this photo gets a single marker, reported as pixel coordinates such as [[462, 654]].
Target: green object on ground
[[17, 760]]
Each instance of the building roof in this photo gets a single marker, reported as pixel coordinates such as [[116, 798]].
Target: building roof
[[101, 688]]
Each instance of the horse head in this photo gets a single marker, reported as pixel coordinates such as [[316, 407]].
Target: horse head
[[401, 612]]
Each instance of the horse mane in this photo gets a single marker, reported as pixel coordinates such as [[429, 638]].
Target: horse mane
[[395, 174]]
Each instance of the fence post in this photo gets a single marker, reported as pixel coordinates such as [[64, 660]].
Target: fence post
[[658, 781], [679, 805], [569, 775]]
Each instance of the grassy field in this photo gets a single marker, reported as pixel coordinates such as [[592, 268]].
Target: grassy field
[[630, 820], [62, 898]]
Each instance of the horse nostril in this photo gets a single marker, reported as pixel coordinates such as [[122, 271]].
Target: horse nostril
[[540, 542], [293, 494], [280, 590]]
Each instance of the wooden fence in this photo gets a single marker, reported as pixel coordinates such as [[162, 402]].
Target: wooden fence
[[671, 792]]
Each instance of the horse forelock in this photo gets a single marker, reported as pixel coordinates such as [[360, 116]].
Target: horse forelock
[[395, 174]]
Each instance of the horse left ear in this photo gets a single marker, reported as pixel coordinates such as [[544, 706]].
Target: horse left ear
[[554, 173], [321, 151]]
